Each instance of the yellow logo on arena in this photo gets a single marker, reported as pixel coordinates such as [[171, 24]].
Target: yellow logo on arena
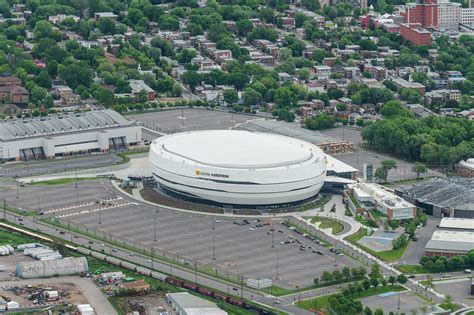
[[198, 172]]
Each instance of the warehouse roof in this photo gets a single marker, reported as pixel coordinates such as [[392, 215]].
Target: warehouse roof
[[456, 192], [291, 130], [457, 223], [457, 241], [195, 305], [60, 123]]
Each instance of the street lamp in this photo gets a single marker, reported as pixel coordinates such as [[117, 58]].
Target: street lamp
[[277, 258]]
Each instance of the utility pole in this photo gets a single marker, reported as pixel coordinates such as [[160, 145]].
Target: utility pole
[[213, 246], [277, 276], [17, 189], [75, 185], [4, 209], [100, 216], [272, 240]]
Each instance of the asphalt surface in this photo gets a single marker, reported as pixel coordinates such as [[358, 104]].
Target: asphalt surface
[[416, 250], [238, 250], [189, 119], [44, 167]]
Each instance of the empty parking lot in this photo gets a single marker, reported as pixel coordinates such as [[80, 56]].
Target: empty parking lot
[[172, 121], [245, 250]]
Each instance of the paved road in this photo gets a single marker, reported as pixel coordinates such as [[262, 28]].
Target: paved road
[[91, 292], [416, 249]]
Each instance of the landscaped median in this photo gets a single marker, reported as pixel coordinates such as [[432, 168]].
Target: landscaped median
[[322, 303], [279, 291], [328, 223]]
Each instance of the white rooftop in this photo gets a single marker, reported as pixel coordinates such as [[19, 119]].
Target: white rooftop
[[194, 305], [457, 223], [453, 236], [469, 163], [379, 194], [240, 149]]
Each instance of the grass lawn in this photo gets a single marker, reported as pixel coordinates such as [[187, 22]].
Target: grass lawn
[[411, 269], [14, 238], [376, 214], [388, 255], [321, 303], [60, 181], [279, 291], [327, 223], [354, 238]]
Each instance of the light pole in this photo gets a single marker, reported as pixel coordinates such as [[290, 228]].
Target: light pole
[[277, 258], [213, 246], [156, 217], [100, 216], [272, 240], [17, 189]]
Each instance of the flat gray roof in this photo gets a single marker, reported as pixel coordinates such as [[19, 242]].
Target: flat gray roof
[[186, 300], [448, 246], [289, 129], [455, 193], [60, 123]]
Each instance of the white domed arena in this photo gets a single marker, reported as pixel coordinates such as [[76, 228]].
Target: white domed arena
[[234, 167]]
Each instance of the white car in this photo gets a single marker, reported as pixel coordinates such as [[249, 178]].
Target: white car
[[251, 229]]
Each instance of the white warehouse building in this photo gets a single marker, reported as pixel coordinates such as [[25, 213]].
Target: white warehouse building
[[59, 134], [49, 268], [236, 167]]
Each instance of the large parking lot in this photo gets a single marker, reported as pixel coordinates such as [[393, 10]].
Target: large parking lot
[[189, 119], [238, 249]]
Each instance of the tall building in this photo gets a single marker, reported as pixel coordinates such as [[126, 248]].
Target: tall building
[[449, 16], [467, 16], [423, 12]]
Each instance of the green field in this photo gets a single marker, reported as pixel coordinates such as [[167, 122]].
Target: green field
[[327, 223], [321, 303]]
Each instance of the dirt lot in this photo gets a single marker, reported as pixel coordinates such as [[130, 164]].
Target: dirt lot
[[152, 304], [73, 290]]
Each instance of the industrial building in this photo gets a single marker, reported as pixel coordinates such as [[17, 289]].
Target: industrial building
[[457, 224], [62, 134], [235, 167], [447, 197], [366, 196], [449, 243], [330, 145], [50, 268], [188, 304]]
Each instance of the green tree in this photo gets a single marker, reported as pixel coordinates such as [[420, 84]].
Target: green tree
[[191, 79], [106, 26], [419, 168], [392, 280], [381, 174], [378, 311], [402, 279], [43, 80], [394, 109], [231, 96], [326, 277], [42, 29]]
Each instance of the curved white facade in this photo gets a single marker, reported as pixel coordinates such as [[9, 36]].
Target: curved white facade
[[238, 167]]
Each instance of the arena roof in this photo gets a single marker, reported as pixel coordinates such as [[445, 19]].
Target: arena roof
[[60, 123], [290, 130], [240, 149], [455, 193]]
